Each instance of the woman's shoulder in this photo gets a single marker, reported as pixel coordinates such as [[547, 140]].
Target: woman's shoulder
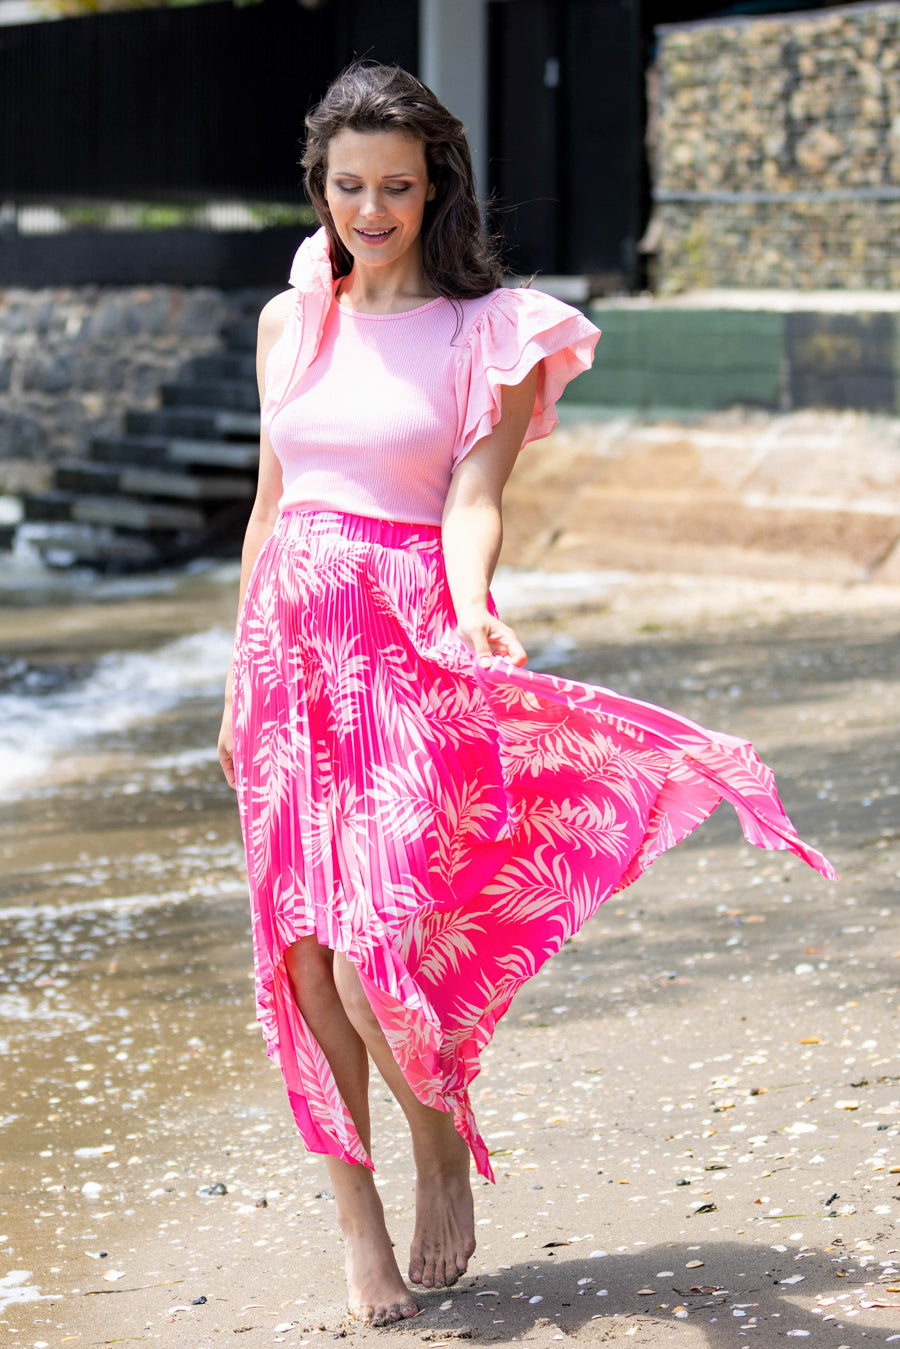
[[272, 318], [275, 311]]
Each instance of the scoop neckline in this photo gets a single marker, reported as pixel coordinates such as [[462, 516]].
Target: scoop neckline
[[401, 314]]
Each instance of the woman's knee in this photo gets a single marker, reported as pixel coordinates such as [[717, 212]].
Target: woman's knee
[[353, 996], [310, 970]]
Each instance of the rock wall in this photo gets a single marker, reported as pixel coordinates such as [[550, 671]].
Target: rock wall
[[73, 360], [777, 151]]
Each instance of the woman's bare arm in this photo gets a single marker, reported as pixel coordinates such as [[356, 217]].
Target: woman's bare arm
[[265, 505], [472, 526]]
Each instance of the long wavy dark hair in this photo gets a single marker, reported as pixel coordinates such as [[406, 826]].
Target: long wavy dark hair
[[459, 263]]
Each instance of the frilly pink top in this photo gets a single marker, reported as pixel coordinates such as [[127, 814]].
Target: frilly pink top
[[370, 413]]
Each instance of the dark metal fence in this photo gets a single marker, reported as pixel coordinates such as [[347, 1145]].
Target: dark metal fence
[[207, 102], [178, 104], [566, 135]]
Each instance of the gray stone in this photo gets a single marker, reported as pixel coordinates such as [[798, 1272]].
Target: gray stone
[[798, 103], [74, 359], [21, 437], [43, 319], [155, 312], [146, 379], [202, 310], [56, 374], [109, 319]]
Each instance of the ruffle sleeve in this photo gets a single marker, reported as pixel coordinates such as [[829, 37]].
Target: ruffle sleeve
[[514, 332], [293, 353]]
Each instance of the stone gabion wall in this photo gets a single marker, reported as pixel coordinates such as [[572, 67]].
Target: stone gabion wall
[[73, 360], [777, 154]]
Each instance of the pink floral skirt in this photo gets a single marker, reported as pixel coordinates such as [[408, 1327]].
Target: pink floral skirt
[[444, 826]]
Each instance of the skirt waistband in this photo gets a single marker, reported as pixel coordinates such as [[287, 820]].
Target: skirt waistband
[[306, 523]]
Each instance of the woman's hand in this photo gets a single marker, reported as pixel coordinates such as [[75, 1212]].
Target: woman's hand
[[226, 746], [488, 637]]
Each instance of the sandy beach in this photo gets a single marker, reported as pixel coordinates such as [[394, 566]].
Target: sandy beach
[[693, 1110]]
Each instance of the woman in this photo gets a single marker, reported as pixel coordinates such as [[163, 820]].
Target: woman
[[425, 821]]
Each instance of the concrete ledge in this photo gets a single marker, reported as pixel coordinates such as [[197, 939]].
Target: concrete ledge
[[684, 358], [811, 495]]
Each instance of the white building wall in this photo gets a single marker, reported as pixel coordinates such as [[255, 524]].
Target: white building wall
[[453, 62]]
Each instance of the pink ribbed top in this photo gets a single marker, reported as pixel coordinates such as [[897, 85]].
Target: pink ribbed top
[[371, 413]]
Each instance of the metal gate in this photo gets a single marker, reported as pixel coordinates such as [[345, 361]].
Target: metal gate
[[178, 104], [565, 130]]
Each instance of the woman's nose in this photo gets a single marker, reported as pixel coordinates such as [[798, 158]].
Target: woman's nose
[[372, 205]]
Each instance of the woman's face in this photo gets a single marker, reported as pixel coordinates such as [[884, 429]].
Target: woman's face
[[376, 187]]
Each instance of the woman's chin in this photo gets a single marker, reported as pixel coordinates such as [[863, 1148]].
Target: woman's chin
[[373, 254]]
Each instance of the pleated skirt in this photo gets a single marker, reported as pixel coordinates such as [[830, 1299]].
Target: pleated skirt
[[445, 826]]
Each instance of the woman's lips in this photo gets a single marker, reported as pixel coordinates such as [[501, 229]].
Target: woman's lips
[[374, 236]]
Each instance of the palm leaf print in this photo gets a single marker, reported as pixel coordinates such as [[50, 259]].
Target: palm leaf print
[[445, 827], [596, 827]]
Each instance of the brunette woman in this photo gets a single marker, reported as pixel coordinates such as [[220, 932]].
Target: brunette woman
[[425, 820]]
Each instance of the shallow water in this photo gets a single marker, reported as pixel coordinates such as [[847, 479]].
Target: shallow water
[[124, 947]]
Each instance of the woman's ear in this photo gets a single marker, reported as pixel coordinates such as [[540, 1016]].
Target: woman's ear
[[431, 193]]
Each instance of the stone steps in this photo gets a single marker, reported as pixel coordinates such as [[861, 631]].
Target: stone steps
[[176, 482], [201, 423], [240, 336], [126, 479], [220, 394], [69, 545], [118, 511], [223, 365], [160, 451]]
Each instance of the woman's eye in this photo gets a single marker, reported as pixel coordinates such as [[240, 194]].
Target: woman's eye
[[393, 191]]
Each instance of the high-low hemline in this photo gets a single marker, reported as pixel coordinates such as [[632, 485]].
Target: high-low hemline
[[446, 827]]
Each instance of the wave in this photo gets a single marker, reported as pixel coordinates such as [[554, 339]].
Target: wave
[[121, 690]]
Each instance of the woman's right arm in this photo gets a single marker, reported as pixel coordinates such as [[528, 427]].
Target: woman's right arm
[[265, 505]]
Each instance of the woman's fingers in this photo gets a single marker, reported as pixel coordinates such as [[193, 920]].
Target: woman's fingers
[[512, 649], [226, 749], [493, 638], [227, 763]]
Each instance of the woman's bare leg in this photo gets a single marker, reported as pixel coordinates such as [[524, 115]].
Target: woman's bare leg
[[444, 1236], [375, 1288]]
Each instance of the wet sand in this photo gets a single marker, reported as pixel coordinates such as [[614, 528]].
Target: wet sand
[[707, 1074]]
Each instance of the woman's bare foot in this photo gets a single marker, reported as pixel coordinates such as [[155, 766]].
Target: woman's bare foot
[[376, 1292], [444, 1237]]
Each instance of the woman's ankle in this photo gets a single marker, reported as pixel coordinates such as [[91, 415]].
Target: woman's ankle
[[442, 1152]]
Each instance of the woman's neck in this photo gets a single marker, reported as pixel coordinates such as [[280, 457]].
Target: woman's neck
[[385, 290]]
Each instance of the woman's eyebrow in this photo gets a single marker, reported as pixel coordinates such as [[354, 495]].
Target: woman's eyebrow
[[345, 173]]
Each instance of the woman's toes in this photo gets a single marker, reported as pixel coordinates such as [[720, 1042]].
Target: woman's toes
[[397, 1311]]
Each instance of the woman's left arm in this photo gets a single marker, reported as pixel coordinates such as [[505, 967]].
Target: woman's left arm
[[472, 526]]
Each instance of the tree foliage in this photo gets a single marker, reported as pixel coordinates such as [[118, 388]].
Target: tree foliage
[[72, 8]]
